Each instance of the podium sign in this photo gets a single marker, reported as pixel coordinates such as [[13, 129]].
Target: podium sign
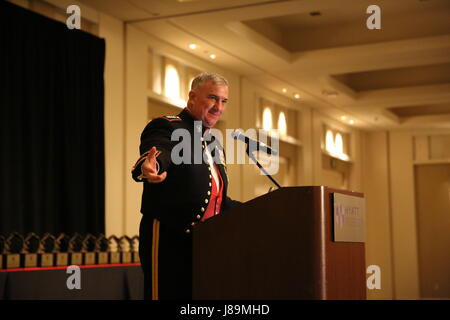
[[349, 218]]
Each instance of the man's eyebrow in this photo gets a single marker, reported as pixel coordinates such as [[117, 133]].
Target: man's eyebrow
[[211, 95]]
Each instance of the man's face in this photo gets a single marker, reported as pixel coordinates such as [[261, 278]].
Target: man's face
[[207, 102]]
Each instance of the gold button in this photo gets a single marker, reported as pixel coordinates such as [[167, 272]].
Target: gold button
[[210, 176], [206, 200], [209, 193], [210, 184], [202, 209], [209, 168], [188, 231], [199, 216], [193, 224]]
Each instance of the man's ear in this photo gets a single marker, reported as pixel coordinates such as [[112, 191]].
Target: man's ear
[[191, 94]]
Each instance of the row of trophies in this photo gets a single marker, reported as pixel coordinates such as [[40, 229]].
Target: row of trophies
[[18, 251]]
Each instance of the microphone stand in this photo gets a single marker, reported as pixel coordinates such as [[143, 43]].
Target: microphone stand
[[251, 156]]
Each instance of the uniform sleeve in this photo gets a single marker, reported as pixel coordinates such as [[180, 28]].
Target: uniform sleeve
[[156, 134], [230, 204]]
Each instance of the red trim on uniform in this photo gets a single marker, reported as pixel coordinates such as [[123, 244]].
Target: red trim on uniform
[[215, 200]]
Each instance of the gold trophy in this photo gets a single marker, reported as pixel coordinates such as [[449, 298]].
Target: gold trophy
[[13, 247], [75, 247], [114, 249], [89, 243], [135, 249], [101, 246], [62, 246], [31, 248], [2, 250], [47, 249], [125, 246]]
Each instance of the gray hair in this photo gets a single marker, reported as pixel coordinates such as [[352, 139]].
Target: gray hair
[[215, 78]]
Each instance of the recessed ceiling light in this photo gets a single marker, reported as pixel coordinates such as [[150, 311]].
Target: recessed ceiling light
[[296, 96], [212, 56], [330, 94], [351, 121], [192, 46], [284, 90], [343, 118]]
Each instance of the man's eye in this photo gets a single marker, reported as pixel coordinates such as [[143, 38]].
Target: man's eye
[[216, 98]]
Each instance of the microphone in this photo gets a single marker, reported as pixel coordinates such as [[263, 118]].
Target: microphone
[[239, 135]]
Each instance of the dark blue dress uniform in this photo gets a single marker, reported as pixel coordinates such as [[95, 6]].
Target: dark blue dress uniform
[[172, 207]]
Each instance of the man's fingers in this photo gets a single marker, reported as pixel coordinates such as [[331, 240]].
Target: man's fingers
[[148, 166], [157, 178], [151, 157], [153, 153], [150, 169]]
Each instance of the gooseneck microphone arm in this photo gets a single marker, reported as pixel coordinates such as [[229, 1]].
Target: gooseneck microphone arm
[[256, 145], [252, 156]]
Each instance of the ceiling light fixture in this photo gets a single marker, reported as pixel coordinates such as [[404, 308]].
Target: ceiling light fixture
[[343, 118], [212, 56], [192, 46], [351, 121], [296, 96], [329, 93], [284, 90]]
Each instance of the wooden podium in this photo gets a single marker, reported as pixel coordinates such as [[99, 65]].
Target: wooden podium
[[282, 245]]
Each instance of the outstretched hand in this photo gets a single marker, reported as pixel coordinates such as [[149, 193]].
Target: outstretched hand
[[149, 167]]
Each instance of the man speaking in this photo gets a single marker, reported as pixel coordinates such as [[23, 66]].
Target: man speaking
[[177, 195]]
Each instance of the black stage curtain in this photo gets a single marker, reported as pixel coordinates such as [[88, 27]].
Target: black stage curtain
[[51, 126]]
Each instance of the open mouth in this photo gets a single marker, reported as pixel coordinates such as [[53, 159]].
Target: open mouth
[[214, 112]]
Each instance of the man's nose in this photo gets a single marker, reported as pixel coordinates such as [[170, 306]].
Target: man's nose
[[219, 105]]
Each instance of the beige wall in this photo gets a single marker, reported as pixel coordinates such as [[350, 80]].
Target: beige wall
[[403, 215], [378, 213], [433, 220], [392, 225], [113, 31]]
